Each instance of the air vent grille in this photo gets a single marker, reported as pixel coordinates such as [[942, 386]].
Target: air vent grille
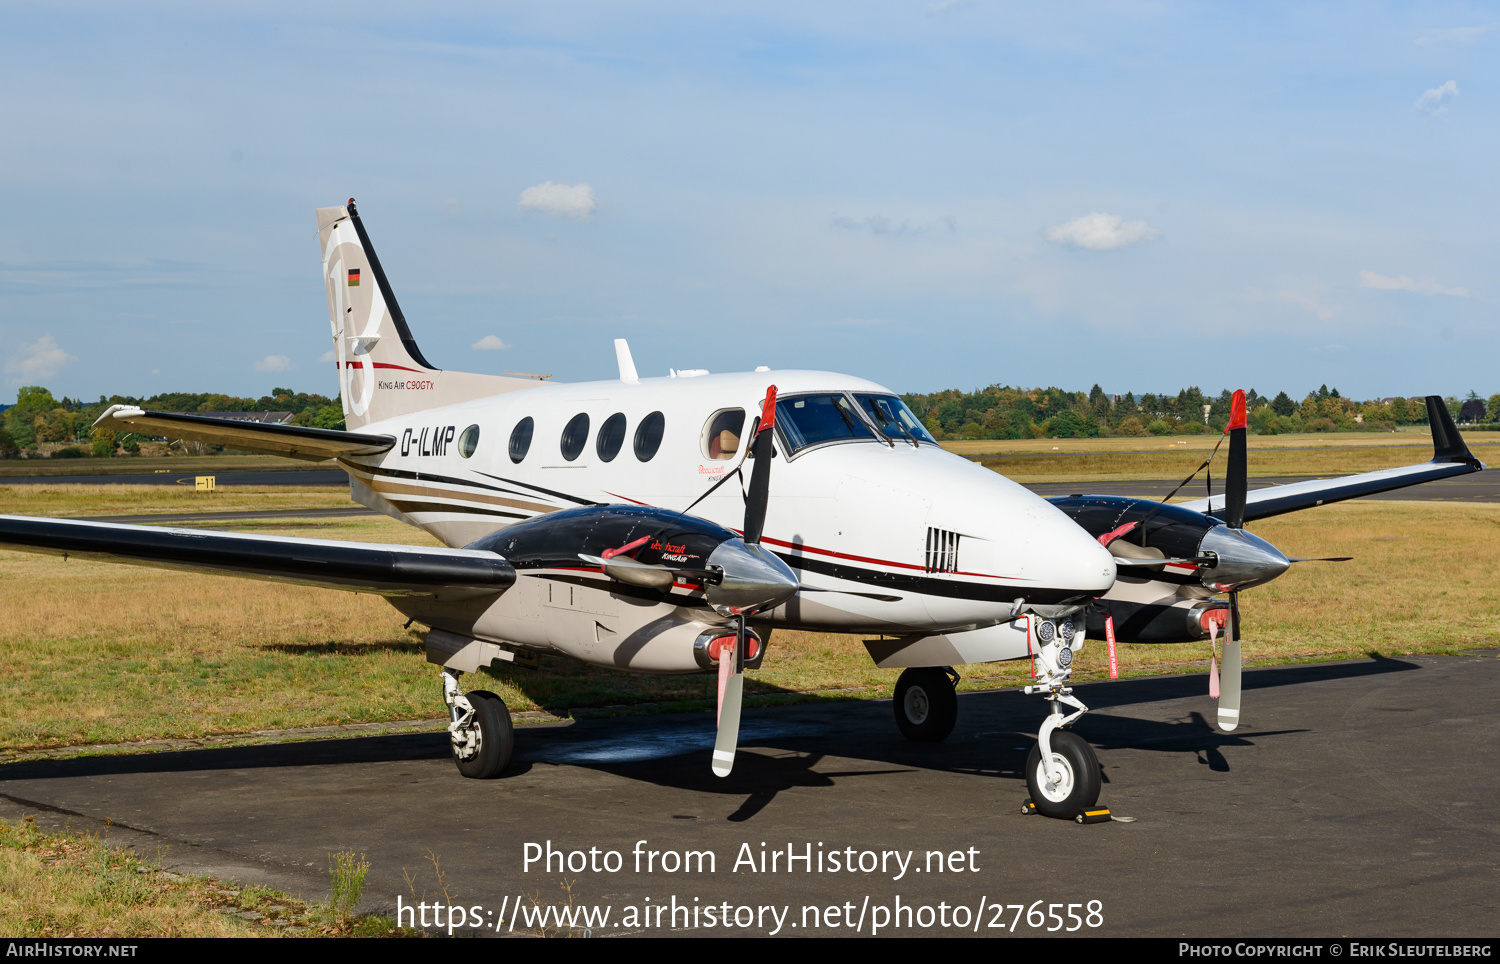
[[942, 550]]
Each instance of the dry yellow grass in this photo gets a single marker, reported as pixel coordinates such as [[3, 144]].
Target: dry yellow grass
[[98, 653]]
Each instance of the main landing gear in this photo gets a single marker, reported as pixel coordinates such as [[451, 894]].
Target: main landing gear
[[1062, 772], [926, 704], [479, 728]]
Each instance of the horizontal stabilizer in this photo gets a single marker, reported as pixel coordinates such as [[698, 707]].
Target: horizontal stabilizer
[[385, 570], [293, 441], [1450, 457]]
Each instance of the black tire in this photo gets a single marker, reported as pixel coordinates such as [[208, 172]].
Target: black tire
[[497, 738], [1080, 789], [926, 706]]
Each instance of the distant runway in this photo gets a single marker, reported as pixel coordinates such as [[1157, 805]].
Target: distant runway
[[289, 477]]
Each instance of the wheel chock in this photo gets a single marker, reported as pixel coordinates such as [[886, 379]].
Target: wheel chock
[[1028, 808], [1093, 814]]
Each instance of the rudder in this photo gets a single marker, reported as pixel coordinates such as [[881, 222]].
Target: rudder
[[382, 372]]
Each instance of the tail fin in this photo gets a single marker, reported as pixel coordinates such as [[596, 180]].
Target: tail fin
[[382, 372]]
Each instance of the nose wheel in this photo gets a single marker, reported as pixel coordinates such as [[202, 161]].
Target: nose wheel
[[479, 730], [926, 705], [1070, 784]]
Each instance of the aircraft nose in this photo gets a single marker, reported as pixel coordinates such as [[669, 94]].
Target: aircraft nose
[[1069, 558], [1244, 560], [753, 579]]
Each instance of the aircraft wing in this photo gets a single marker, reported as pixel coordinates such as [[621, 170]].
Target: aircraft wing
[[1450, 457], [385, 570], [293, 441]]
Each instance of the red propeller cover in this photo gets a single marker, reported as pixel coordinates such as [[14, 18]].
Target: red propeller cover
[[768, 410], [1236, 412]]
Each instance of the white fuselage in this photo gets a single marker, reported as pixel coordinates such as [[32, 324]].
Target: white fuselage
[[954, 543]]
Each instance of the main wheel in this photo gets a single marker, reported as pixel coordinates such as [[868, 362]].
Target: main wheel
[[926, 706], [493, 738], [1079, 787]]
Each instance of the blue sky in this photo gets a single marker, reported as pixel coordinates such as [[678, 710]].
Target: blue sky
[[930, 194]]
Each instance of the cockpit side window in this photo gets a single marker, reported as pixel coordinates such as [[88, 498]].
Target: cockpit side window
[[809, 420], [721, 434]]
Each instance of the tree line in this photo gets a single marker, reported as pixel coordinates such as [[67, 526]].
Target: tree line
[[1004, 412], [64, 427]]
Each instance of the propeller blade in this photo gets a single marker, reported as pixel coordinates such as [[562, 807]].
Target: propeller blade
[[1236, 475], [732, 694], [1324, 559], [760, 476], [1229, 682]]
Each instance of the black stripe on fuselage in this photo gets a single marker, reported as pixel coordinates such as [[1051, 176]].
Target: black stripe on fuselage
[[923, 585], [406, 505], [537, 488], [450, 480]]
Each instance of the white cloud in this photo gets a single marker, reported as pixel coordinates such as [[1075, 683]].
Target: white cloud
[[1101, 232], [1426, 286], [273, 363], [1431, 101], [328, 356], [489, 343], [575, 201], [37, 361], [1453, 35]]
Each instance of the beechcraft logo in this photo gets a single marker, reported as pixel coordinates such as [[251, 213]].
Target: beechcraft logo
[[354, 277]]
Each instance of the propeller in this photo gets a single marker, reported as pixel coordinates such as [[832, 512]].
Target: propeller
[[732, 665], [1236, 486]]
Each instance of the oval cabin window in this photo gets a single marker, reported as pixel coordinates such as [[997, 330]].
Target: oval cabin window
[[468, 441], [611, 437], [520, 439], [648, 436], [575, 436]]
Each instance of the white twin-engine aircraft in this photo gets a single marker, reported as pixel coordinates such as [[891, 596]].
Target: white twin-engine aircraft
[[637, 524]]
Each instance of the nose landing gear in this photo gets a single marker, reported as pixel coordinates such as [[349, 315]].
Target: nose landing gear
[[479, 729], [1062, 772]]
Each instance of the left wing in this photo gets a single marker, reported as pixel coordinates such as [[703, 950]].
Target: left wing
[[352, 566], [1450, 457]]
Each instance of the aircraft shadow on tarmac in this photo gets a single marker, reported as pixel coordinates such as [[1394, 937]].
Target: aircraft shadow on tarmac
[[781, 747]]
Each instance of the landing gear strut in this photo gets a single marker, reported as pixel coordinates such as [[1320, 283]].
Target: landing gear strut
[[1062, 772], [926, 705], [479, 729]]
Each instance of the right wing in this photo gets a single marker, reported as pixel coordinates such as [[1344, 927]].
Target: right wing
[[293, 441], [1450, 457], [385, 570]]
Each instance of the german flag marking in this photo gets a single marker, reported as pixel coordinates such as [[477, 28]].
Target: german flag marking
[[354, 277]]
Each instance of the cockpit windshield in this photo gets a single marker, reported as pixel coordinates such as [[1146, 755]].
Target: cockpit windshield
[[808, 420], [893, 418]]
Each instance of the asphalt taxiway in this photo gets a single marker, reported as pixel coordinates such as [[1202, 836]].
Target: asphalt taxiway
[[1360, 798]]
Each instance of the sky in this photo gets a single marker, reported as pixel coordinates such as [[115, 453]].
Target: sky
[[931, 194]]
